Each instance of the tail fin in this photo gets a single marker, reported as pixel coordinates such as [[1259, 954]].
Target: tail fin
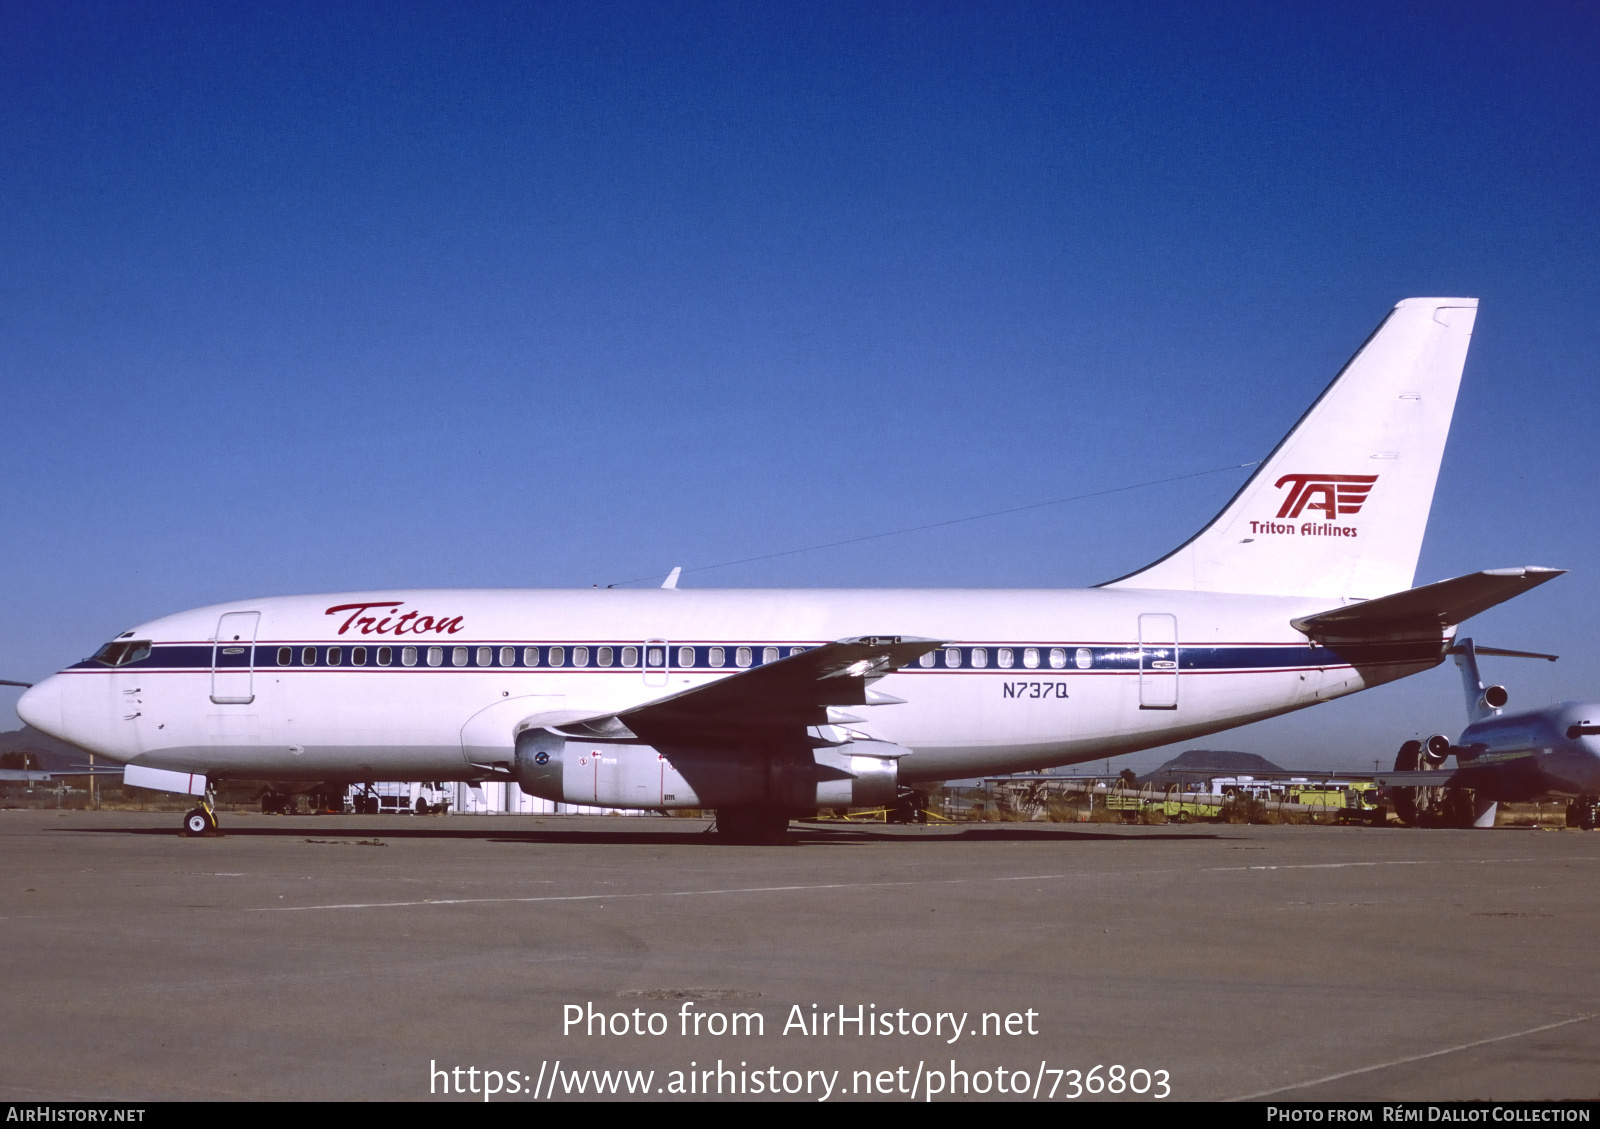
[[1472, 681], [1484, 701], [1339, 507]]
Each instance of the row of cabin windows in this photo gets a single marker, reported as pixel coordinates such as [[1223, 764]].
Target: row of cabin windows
[[1006, 657], [655, 658], [530, 656]]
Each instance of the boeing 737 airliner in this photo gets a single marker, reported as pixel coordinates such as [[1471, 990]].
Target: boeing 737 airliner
[[768, 704]]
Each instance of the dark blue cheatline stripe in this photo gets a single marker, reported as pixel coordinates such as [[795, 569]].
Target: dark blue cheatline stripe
[[1045, 658]]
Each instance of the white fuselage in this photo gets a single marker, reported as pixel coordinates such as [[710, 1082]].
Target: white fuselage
[[429, 684]]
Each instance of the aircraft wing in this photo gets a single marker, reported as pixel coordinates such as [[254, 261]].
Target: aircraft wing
[[1439, 778], [1426, 610], [774, 701], [35, 775]]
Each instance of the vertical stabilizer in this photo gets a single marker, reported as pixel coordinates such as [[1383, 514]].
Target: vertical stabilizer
[[1339, 507], [1471, 680], [1483, 701]]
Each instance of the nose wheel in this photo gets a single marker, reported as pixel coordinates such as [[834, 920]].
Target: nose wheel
[[202, 820]]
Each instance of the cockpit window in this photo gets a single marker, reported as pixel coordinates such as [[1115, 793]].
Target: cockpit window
[[123, 653]]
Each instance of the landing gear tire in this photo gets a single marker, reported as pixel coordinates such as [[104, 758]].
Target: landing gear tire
[[199, 822], [1581, 813], [1417, 807], [752, 826]]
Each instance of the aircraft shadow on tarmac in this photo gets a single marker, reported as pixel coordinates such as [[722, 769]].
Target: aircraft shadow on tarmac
[[805, 835]]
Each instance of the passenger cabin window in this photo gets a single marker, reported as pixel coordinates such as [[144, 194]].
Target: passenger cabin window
[[1005, 657], [685, 656], [655, 657], [1058, 657], [435, 656], [630, 656], [952, 656], [769, 654], [1083, 658], [530, 656], [485, 656], [285, 656], [385, 656], [718, 656], [602, 657], [335, 655], [926, 660], [980, 656], [408, 656], [1030, 657], [558, 656], [458, 656], [508, 656], [796, 650], [743, 656], [580, 656], [308, 656], [358, 656]]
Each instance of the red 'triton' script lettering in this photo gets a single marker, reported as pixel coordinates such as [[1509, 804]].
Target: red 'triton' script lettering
[[386, 620]]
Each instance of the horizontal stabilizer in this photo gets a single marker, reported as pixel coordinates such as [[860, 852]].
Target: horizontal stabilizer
[[1426, 610], [1502, 653]]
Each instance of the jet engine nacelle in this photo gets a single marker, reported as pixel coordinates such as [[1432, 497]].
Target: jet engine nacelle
[[1436, 749], [575, 770], [1493, 698]]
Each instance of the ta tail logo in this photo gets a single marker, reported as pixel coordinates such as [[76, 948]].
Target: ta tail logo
[[1333, 494]]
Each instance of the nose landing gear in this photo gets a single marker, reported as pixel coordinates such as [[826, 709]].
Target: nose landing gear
[[202, 821]]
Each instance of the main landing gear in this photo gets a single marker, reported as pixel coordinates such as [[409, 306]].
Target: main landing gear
[[1584, 812], [1434, 807], [202, 821]]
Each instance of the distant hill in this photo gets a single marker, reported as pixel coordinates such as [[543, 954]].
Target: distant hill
[[42, 750], [1202, 764]]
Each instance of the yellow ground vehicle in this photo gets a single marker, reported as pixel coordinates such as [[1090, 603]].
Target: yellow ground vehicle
[[1351, 801]]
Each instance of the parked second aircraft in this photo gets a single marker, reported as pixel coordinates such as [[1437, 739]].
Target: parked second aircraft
[[1548, 753]]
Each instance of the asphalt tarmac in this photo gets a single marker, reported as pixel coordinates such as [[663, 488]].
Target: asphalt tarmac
[[353, 958]]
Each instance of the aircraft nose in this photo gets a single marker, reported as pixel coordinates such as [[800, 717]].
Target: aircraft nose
[[40, 706]]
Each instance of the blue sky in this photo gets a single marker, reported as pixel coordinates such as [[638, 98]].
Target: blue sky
[[301, 298]]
